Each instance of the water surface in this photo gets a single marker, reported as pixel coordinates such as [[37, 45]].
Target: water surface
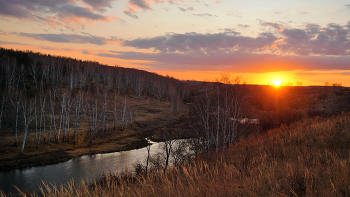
[[85, 167]]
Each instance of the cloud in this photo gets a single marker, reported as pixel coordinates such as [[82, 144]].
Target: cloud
[[237, 61], [243, 26], [231, 31], [99, 5], [47, 48], [347, 6], [205, 15], [133, 5], [195, 42], [310, 47], [186, 9], [68, 11], [141, 4], [316, 40], [235, 14], [70, 38], [85, 52], [15, 43], [129, 13], [277, 26], [182, 9], [305, 73], [58, 12]]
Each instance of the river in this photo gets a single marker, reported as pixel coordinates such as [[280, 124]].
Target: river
[[87, 168]]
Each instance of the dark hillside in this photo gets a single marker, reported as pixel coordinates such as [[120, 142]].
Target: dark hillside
[[52, 104]]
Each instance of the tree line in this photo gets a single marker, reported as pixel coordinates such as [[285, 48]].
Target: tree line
[[52, 95]]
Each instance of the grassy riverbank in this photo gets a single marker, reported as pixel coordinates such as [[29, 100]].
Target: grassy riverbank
[[55, 153], [150, 117], [309, 158]]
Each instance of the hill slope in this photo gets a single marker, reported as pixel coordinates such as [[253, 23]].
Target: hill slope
[[305, 159]]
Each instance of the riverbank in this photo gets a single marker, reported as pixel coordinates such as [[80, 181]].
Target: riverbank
[[151, 118], [309, 158], [55, 153]]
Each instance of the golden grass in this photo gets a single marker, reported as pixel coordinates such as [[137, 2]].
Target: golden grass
[[305, 159]]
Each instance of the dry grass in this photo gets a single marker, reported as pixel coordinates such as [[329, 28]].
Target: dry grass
[[305, 159], [148, 114]]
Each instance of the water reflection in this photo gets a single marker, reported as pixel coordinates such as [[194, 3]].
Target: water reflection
[[85, 167]]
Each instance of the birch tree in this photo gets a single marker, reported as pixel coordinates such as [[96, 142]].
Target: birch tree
[[28, 117], [16, 103], [42, 123], [3, 100], [63, 107], [124, 121], [115, 112], [78, 108], [52, 96]]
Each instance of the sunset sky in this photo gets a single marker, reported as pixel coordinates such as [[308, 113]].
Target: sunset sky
[[261, 40]]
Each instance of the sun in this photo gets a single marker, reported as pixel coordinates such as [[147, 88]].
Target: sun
[[277, 82]]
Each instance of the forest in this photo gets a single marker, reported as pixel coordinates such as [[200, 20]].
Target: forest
[[56, 108], [50, 100]]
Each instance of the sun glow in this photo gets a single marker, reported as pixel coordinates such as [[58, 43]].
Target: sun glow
[[277, 82]]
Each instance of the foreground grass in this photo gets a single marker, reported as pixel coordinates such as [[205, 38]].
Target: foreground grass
[[305, 159]]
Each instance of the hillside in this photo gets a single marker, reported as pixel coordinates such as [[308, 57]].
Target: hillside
[[248, 140], [56, 108], [309, 158]]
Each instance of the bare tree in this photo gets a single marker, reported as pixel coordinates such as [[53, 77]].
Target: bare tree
[[78, 108], [104, 111], [42, 125], [16, 102], [36, 122], [139, 87], [124, 116], [3, 100], [115, 112], [52, 96], [63, 107], [67, 121], [34, 70], [219, 114], [28, 117]]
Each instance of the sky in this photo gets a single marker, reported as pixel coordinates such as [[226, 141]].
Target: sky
[[261, 41]]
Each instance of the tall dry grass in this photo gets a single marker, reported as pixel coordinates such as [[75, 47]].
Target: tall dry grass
[[309, 158]]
